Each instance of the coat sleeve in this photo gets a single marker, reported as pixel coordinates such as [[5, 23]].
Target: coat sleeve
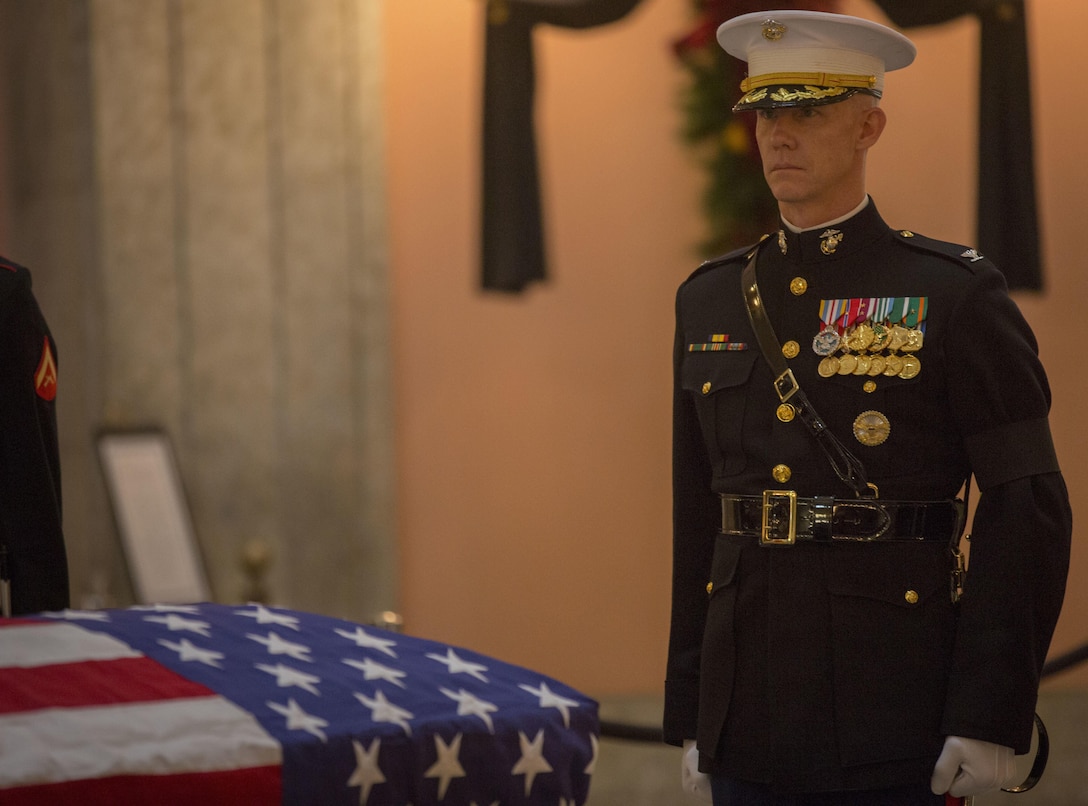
[[696, 519], [1015, 583], [30, 491], [1020, 536]]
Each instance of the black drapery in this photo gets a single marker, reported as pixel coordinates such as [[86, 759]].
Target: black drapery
[[1008, 224], [512, 247]]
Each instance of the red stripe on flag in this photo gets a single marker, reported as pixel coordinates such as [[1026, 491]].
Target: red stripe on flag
[[102, 682], [253, 786]]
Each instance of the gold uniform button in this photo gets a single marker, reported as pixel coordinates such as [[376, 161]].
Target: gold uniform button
[[791, 349], [911, 597], [798, 286], [709, 587], [869, 386], [706, 388], [786, 412], [781, 473]]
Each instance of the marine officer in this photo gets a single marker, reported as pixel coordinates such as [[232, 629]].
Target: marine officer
[[835, 389]]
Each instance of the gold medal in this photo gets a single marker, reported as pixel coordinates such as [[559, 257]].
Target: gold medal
[[864, 362], [897, 338], [877, 365], [911, 367], [828, 366], [880, 337], [847, 364], [861, 337], [871, 428], [893, 365], [915, 337]]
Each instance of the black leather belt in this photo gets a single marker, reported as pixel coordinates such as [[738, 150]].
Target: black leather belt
[[781, 518]]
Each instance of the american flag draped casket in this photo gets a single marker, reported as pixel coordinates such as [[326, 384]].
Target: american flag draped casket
[[207, 704]]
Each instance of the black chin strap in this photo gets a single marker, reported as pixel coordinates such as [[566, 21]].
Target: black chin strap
[[846, 466]]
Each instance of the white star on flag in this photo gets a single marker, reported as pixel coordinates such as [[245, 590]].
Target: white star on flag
[[286, 676], [174, 623], [361, 638], [375, 671], [265, 616], [592, 766], [532, 761], [549, 699], [188, 651], [469, 705], [447, 767], [298, 719], [381, 710], [458, 666], [79, 615], [281, 646], [367, 772]]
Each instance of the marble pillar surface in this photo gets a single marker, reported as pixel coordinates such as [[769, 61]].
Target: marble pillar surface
[[225, 276]]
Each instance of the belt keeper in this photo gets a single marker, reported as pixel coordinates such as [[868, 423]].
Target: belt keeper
[[823, 512]]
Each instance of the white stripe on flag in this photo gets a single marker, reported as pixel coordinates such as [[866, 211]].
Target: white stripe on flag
[[188, 735], [47, 644]]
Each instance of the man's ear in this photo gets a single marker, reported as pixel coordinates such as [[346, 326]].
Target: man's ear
[[872, 126]]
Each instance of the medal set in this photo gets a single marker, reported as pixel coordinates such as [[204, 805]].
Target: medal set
[[871, 337]]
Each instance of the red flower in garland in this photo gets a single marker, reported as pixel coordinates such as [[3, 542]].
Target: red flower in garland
[[737, 203]]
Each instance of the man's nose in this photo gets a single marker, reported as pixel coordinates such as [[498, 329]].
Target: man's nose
[[782, 135]]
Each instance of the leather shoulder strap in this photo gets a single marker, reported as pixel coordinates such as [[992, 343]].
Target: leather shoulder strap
[[846, 466]]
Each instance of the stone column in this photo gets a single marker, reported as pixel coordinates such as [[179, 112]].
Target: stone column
[[228, 270]]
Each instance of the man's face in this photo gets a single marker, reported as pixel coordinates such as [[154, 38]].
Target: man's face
[[814, 156]]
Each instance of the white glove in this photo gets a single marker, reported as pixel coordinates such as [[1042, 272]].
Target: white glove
[[971, 767], [694, 782]]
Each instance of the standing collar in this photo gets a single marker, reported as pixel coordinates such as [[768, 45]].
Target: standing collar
[[833, 240]]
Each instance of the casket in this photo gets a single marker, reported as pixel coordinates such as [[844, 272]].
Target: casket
[[207, 704]]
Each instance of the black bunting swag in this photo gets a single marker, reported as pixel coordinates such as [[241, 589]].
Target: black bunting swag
[[1008, 226], [512, 248]]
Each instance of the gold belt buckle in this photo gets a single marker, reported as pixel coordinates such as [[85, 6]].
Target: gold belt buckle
[[779, 518]]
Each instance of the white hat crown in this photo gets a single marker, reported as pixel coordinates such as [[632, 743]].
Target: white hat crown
[[832, 55]]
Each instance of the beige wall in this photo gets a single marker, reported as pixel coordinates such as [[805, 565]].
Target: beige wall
[[533, 431]]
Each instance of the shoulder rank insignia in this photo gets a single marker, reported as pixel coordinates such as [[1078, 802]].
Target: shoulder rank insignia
[[972, 255], [45, 376]]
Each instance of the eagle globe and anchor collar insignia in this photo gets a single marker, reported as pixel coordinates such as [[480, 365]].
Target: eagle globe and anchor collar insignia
[[830, 240]]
